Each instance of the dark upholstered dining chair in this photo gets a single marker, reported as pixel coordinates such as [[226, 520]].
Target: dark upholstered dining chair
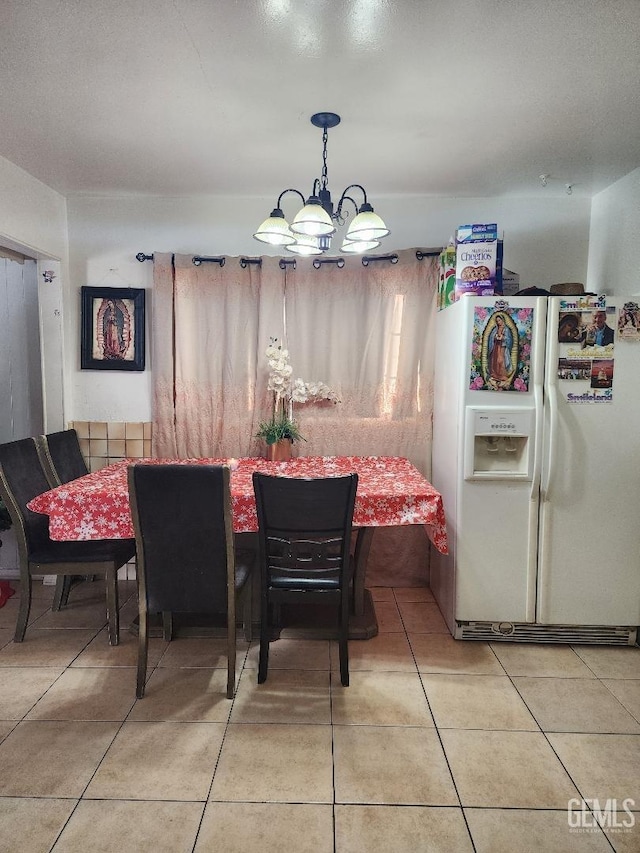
[[187, 560], [304, 550], [22, 477], [61, 456], [62, 461]]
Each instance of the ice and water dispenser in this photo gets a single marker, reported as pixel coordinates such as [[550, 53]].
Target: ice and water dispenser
[[499, 444]]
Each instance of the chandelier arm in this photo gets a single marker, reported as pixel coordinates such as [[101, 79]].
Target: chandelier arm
[[338, 214], [290, 190], [346, 190]]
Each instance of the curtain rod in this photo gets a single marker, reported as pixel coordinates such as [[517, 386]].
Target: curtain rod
[[421, 254], [291, 262], [367, 259]]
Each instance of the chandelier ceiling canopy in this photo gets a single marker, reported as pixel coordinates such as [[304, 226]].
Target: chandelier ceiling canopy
[[315, 223]]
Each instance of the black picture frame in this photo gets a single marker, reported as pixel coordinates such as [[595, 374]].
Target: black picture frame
[[113, 328]]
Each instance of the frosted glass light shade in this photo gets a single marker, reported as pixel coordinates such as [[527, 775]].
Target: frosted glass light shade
[[313, 220], [356, 247], [275, 230], [367, 226], [305, 245]]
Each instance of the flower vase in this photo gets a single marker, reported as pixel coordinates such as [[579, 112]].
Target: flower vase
[[279, 451]]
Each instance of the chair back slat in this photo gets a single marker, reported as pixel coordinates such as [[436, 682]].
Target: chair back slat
[[305, 528]]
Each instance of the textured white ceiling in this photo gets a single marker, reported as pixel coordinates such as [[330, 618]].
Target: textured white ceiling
[[437, 97]]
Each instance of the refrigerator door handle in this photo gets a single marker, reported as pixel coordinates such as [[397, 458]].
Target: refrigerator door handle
[[552, 397], [551, 390], [537, 455]]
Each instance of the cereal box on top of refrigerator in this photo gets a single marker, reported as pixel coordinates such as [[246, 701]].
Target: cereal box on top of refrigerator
[[476, 259]]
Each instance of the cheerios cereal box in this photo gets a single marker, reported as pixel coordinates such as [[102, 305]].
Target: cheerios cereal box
[[476, 259]]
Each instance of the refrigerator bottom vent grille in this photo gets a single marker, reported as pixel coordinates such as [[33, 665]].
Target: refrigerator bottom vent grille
[[529, 633]]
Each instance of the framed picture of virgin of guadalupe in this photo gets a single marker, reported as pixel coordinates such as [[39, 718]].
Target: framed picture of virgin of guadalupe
[[112, 328]]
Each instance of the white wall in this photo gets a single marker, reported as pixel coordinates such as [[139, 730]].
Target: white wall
[[545, 240], [32, 215], [613, 240]]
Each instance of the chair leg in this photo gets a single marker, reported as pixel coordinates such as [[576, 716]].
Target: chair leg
[[25, 605], [265, 637], [61, 594], [167, 625], [343, 642], [113, 616], [143, 648], [231, 654]]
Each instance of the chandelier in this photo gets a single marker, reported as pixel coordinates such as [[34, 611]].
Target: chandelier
[[315, 223]]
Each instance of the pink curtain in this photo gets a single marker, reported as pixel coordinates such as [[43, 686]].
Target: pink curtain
[[210, 390], [367, 332]]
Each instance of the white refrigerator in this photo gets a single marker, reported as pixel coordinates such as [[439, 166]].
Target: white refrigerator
[[536, 452]]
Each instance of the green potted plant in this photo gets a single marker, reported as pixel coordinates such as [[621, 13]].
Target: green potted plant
[[279, 433]]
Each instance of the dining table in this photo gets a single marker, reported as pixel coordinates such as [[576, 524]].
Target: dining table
[[391, 492]]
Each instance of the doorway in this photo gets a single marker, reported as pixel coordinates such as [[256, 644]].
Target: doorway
[[21, 409]]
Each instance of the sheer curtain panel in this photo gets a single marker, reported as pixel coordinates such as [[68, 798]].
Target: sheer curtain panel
[[211, 325]]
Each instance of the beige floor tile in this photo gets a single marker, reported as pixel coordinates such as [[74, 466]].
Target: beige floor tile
[[99, 693], [275, 763], [611, 661], [554, 661], [21, 687], [388, 617], [422, 617], [6, 726], [76, 614], [6, 636], [476, 702], [403, 829], [129, 612], [381, 593], [9, 613], [52, 759], [575, 705], [100, 653], [602, 766], [39, 591], [505, 830], [380, 699], [209, 652], [384, 652], [391, 765], [46, 648], [625, 839], [292, 654], [627, 692], [159, 761], [441, 653], [266, 828], [94, 591], [31, 825], [184, 695], [413, 593], [102, 826], [287, 696], [488, 770]]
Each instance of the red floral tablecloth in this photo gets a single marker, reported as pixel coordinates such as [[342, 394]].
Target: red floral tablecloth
[[391, 491]]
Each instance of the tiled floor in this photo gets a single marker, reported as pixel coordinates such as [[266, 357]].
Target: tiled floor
[[437, 745]]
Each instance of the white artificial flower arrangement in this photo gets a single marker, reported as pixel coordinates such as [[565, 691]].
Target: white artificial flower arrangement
[[288, 391]]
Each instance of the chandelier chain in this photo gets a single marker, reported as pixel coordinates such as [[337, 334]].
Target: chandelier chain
[[325, 177]]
